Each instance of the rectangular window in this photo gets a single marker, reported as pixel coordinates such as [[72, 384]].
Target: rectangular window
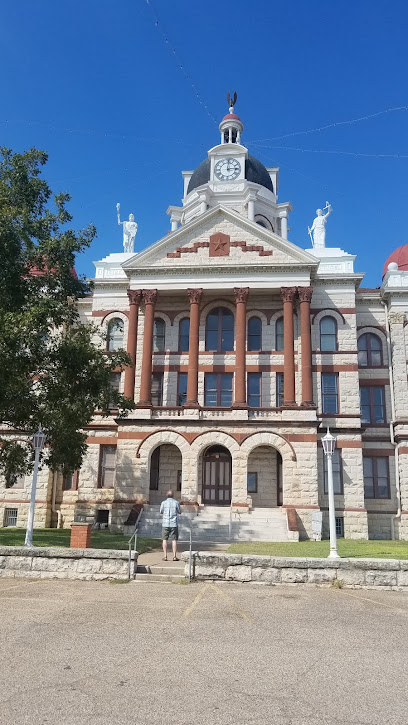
[[337, 477], [279, 390], [330, 400], [254, 381], [252, 482], [340, 526], [10, 517], [372, 402], [181, 388], [155, 469], [114, 384], [376, 477], [107, 467], [157, 389], [68, 482], [218, 390]]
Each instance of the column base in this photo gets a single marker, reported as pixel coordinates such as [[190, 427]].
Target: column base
[[289, 404], [191, 404], [240, 406], [308, 404], [144, 404]]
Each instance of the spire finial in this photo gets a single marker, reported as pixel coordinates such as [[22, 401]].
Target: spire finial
[[231, 101]]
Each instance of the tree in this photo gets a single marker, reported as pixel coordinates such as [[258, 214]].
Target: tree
[[54, 372]]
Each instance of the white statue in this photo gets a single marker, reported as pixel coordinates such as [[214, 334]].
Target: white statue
[[129, 231], [317, 231]]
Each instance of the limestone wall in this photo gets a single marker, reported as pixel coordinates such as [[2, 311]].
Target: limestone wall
[[58, 563]]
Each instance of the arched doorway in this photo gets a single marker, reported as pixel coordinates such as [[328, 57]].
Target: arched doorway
[[216, 489], [264, 477], [164, 472]]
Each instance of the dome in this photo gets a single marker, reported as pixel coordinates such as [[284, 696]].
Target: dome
[[255, 171], [230, 116], [400, 257]]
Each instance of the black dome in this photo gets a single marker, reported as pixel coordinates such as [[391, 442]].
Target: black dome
[[254, 171]]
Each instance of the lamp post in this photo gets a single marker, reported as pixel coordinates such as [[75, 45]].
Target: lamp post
[[329, 444], [37, 443]]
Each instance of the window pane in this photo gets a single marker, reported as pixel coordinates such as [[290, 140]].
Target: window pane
[[226, 389], [254, 389], [328, 334], [375, 358], [182, 388], [368, 470], [279, 334], [254, 334], [108, 464], [184, 334], [279, 389], [67, 483], [115, 335], [362, 358], [158, 335], [336, 465], [157, 389], [212, 320], [252, 482], [210, 389], [227, 340], [211, 340], [329, 393], [227, 319]]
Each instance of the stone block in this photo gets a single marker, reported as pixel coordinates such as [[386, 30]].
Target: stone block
[[352, 577], [293, 576], [208, 572], [402, 578], [321, 576], [381, 578], [239, 573], [270, 575], [257, 561], [18, 563]]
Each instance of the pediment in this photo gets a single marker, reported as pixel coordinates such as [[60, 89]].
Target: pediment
[[221, 238]]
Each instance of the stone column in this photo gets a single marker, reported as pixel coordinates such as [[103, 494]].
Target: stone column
[[134, 302], [288, 295], [149, 298], [241, 297], [194, 296], [284, 224], [305, 297]]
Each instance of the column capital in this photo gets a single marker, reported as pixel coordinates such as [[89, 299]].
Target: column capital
[[241, 294], [149, 296], [194, 295], [305, 294], [135, 295], [288, 293]]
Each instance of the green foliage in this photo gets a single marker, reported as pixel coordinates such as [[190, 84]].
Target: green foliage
[[347, 548], [54, 372]]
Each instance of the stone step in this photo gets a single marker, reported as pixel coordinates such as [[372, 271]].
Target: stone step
[[163, 578], [168, 570]]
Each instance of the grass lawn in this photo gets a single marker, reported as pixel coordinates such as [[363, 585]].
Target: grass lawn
[[352, 548], [60, 537]]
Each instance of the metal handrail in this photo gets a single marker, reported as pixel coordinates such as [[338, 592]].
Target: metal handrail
[[134, 536]]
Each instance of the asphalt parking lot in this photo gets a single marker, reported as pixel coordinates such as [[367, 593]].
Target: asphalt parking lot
[[99, 653]]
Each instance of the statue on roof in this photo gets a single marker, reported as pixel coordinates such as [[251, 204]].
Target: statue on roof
[[317, 231], [129, 231], [231, 101]]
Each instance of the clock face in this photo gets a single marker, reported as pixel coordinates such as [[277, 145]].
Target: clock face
[[227, 169]]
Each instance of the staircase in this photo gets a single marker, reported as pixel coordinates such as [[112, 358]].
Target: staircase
[[212, 524], [165, 574]]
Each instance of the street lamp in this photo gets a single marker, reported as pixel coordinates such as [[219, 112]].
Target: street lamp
[[37, 443], [329, 444]]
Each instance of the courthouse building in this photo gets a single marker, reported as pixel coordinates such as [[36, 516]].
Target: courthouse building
[[246, 347]]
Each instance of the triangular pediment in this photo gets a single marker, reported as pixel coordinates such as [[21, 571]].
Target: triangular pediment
[[221, 238]]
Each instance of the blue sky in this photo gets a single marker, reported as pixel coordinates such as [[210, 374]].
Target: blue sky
[[97, 86]]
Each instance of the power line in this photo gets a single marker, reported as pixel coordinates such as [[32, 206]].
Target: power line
[[340, 153], [336, 123], [180, 64]]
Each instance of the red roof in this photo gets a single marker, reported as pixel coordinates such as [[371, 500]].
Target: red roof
[[230, 116], [400, 256]]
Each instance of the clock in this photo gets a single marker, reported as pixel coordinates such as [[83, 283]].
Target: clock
[[227, 169]]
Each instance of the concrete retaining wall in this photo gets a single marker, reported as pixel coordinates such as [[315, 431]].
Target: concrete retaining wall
[[57, 563], [368, 573]]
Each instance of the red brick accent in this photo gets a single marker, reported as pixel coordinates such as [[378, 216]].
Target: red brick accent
[[335, 368], [219, 245], [292, 519], [185, 250], [101, 440], [253, 248], [216, 253], [348, 444], [80, 536], [302, 437], [369, 382]]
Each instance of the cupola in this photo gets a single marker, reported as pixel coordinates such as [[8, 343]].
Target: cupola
[[231, 125]]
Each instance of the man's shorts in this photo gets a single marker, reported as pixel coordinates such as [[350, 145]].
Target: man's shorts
[[170, 533]]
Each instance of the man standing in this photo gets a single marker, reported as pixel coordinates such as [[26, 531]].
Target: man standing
[[170, 508]]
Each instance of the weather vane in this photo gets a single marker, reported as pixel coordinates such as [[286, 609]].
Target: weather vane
[[231, 101]]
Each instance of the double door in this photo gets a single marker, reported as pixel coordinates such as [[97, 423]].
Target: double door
[[217, 479]]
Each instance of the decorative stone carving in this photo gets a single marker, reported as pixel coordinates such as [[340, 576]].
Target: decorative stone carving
[[135, 295], [317, 231], [288, 293], [149, 296], [219, 245], [194, 295], [241, 294], [305, 294], [129, 231], [396, 318]]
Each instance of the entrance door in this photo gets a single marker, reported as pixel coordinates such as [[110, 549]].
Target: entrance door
[[217, 476]]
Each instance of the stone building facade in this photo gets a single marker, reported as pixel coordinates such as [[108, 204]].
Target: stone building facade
[[245, 348]]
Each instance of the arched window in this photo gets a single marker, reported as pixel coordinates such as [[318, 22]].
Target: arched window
[[369, 351], [115, 335], [328, 334], [254, 334], [184, 334], [159, 331], [219, 330], [279, 334]]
